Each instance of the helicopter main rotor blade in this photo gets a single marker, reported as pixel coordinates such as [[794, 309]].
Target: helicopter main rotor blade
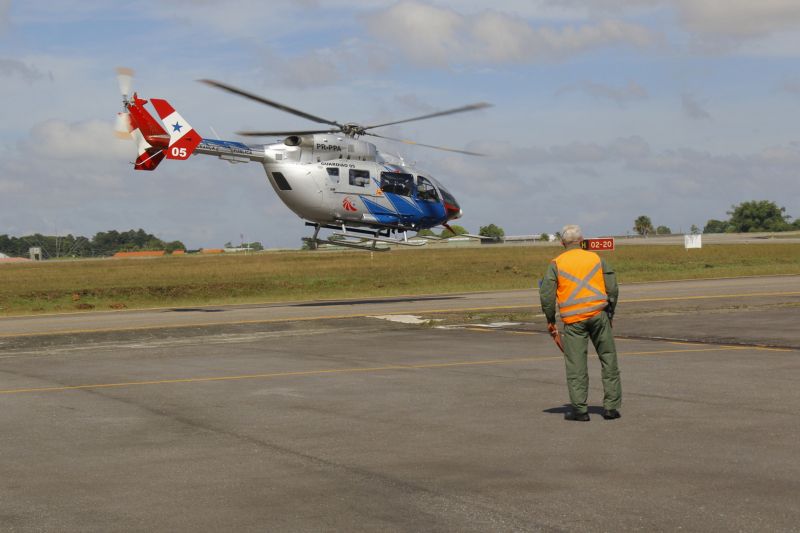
[[281, 133], [471, 107], [271, 103], [425, 145]]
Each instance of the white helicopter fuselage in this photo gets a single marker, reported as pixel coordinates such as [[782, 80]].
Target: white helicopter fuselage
[[331, 179]]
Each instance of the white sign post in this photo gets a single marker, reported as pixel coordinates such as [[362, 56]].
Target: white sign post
[[692, 241]]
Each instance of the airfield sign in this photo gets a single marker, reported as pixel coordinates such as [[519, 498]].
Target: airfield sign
[[598, 245]]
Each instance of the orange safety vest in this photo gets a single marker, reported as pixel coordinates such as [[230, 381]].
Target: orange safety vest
[[581, 292]]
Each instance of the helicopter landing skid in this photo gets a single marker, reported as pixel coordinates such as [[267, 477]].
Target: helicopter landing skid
[[383, 240], [368, 245]]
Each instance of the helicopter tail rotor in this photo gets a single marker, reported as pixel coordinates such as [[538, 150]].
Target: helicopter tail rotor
[[125, 80], [122, 125], [135, 122]]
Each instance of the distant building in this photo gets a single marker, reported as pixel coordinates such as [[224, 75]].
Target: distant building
[[143, 253], [8, 259]]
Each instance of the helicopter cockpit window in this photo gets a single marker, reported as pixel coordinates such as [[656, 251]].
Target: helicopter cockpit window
[[397, 183], [359, 178], [448, 198], [426, 190]]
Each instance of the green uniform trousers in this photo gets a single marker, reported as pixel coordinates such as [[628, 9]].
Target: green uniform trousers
[[576, 339]]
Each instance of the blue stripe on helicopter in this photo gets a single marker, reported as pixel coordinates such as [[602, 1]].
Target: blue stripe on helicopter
[[382, 214], [228, 145], [403, 205]]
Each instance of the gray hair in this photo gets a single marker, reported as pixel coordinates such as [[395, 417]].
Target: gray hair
[[571, 234]]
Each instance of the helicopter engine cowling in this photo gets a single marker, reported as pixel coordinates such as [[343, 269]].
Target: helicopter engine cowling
[[327, 147], [299, 140]]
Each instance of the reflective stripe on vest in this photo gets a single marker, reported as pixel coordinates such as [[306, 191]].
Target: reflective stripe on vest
[[581, 290]]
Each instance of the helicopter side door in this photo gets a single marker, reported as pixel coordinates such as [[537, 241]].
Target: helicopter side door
[[348, 187], [399, 189]]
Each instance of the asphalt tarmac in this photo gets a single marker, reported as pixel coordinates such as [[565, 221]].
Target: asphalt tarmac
[[317, 417]]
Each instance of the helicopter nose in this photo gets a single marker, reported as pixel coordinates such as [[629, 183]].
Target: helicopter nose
[[452, 211]]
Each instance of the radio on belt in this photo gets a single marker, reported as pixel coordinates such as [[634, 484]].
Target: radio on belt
[[598, 245]]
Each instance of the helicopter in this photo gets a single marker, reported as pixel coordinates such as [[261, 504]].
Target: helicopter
[[329, 177]]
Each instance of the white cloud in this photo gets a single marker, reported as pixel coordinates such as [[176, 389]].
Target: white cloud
[[77, 175], [600, 6], [715, 25], [616, 181], [316, 68], [766, 168], [435, 36], [94, 139], [739, 18]]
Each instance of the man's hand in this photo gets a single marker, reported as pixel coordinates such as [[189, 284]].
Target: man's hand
[[553, 329]]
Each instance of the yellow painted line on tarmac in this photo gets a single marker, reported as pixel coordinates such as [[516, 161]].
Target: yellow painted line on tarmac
[[334, 371], [498, 330], [686, 343], [365, 315], [662, 352]]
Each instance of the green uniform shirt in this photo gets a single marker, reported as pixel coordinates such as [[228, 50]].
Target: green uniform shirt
[[547, 289]]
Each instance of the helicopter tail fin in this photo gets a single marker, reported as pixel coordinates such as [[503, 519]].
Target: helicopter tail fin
[[183, 139], [151, 139]]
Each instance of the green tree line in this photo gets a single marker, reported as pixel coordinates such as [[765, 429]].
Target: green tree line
[[104, 243], [756, 215]]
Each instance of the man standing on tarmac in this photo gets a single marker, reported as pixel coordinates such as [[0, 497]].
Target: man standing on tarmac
[[585, 288]]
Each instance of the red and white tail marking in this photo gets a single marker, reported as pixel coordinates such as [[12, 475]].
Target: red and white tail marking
[[151, 139], [182, 137]]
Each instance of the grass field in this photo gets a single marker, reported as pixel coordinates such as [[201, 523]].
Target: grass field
[[70, 286]]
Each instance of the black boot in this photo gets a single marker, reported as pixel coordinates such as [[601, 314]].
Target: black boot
[[611, 414], [576, 417]]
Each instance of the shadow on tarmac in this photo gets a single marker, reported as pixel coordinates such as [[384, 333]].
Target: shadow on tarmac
[[593, 410]]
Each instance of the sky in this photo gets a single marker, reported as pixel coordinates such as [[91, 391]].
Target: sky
[[603, 110]]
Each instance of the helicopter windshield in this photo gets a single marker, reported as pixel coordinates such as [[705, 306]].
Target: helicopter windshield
[[449, 200], [446, 196]]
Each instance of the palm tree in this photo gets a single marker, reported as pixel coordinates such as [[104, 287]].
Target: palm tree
[[643, 225]]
